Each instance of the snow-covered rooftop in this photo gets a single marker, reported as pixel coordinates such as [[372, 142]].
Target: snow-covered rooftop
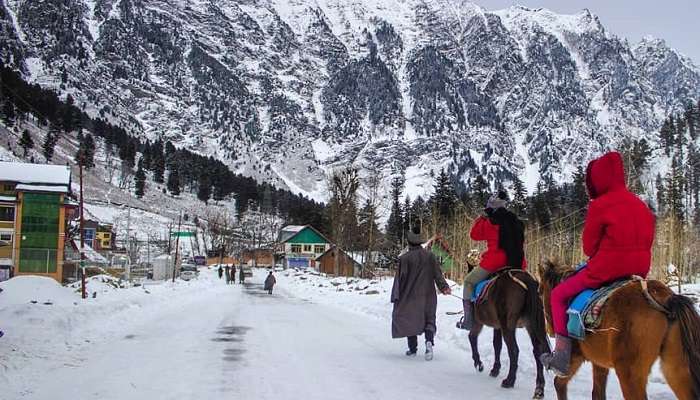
[[42, 174], [293, 228], [42, 188], [8, 198]]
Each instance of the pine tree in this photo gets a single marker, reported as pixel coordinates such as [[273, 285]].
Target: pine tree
[[140, 181], [158, 165], [480, 192], [204, 187], [666, 134], [85, 154], [660, 195], [395, 223], [540, 207], [579, 192], [26, 142], [174, 181], [519, 203], [674, 190], [50, 141], [8, 113], [444, 198]]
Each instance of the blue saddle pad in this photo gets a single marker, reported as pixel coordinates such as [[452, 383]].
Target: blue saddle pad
[[479, 288], [575, 325], [580, 311]]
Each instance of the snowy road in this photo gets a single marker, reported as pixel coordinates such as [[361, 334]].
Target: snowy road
[[238, 342]]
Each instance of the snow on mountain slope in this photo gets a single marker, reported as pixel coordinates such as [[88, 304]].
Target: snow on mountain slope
[[412, 86]]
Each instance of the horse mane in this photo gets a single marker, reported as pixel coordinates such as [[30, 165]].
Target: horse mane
[[553, 272]]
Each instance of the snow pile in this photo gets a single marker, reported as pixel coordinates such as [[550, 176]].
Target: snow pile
[[37, 289], [59, 323]]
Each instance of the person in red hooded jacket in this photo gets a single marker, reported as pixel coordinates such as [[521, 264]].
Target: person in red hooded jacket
[[504, 235], [617, 237]]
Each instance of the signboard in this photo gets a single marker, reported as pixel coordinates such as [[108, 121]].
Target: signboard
[[200, 260], [182, 234]]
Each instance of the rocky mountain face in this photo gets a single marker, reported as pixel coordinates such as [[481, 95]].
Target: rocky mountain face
[[284, 90]]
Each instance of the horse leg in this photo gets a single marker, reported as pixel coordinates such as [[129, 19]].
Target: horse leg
[[497, 347], [537, 352], [600, 382], [561, 383], [633, 379], [474, 342], [513, 353]]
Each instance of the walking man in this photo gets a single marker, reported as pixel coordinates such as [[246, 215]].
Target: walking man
[[233, 274], [228, 274], [270, 282], [414, 296], [221, 271]]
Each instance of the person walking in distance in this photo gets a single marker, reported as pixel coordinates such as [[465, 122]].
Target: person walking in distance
[[227, 274], [221, 271], [414, 297], [270, 282], [233, 274]]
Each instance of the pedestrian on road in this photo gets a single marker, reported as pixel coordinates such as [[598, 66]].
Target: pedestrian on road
[[228, 274], [241, 275], [233, 274], [414, 296], [221, 271], [270, 282]]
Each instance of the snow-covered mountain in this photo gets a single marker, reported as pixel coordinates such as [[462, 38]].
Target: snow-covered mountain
[[284, 90]]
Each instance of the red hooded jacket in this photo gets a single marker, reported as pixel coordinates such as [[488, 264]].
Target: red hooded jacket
[[619, 228], [494, 258]]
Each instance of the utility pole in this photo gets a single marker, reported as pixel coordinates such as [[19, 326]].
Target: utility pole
[[83, 290], [177, 243]]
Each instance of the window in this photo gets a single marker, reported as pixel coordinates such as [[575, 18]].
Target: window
[[307, 248], [319, 249], [296, 248], [7, 214], [6, 237], [8, 187], [105, 244]]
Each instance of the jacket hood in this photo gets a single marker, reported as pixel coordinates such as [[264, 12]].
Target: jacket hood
[[605, 174]]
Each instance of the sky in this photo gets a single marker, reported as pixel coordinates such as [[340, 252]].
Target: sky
[[676, 21]]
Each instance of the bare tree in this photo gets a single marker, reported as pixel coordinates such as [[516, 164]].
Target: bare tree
[[343, 185]]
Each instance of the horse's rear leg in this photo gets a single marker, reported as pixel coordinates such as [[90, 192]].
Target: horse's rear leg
[[537, 352], [513, 353], [474, 342], [633, 379], [600, 382], [561, 383], [497, 347]]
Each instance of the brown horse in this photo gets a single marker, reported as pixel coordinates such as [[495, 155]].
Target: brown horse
[[512, 302], [636, 328]]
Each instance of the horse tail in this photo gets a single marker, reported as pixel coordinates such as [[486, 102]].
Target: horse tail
[[680, 354], [535, 313]]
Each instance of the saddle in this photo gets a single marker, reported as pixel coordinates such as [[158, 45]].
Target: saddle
[[585, 311], [481, 290]]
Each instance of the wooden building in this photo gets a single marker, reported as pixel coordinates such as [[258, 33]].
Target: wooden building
[[347, 266], [258, 258], [300, 245]]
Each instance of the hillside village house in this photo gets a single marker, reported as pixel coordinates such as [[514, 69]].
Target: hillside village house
[[34, 208], [347, 265], [301, 245]]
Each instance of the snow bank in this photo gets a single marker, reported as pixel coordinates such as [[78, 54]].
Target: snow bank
[[47, 334], [39, 289]]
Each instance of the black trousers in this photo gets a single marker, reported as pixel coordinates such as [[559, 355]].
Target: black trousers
[[413, 340]]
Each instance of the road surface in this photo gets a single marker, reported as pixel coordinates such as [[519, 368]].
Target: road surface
[[238, 342]]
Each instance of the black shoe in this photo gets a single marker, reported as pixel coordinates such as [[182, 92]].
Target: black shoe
[[411, 353]]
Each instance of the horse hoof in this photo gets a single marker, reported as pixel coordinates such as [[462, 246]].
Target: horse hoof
[[479, 366], [508, 384], [539, 394], [494, 372]]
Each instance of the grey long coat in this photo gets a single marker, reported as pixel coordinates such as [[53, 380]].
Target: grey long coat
[[413, 294]]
